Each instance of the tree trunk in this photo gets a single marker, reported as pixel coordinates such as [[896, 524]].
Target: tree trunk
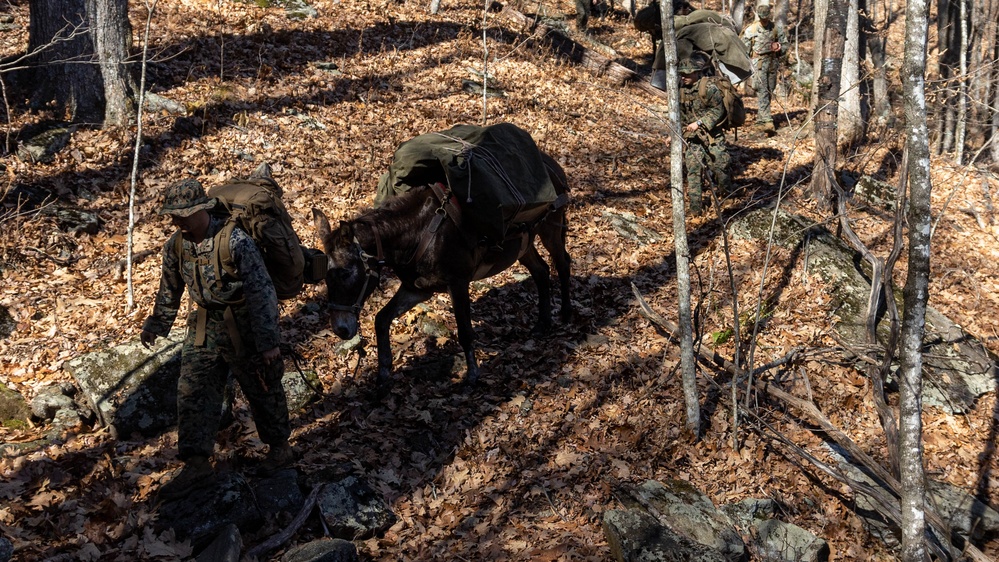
[[688, 362], [66, 44], [851, 115], [112, 36], [874, 26], [827, 111], [915, 294], [821, 13], [949, 46], [995, 101]]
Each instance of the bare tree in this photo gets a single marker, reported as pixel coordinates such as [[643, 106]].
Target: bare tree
[[81, 48], [827, 111], [851, 113], [688, 362], [875, 16], [915, 294]]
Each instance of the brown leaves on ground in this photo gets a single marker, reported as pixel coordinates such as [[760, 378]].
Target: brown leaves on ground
[[523, 466]]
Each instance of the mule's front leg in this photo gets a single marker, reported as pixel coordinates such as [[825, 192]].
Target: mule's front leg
[[399, 304], [462, 306]]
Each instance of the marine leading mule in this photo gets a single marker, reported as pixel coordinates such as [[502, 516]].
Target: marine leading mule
[[412, 234]]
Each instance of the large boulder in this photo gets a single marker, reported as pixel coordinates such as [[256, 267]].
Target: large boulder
[[634, 535], [129, 388], [353, 510], [957, 369], [203, 516], [687, 511], [134, 390]]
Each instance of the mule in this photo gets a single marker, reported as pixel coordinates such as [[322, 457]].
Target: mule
[[432, 256]]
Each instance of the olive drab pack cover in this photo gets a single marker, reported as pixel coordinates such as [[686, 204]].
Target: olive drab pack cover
[[255, 205], [496, 173], [735, 110]]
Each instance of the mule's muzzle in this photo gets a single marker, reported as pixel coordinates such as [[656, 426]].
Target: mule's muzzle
[[343, 323]]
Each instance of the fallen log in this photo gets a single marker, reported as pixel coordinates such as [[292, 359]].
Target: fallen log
[[575, 52], [940, 528]]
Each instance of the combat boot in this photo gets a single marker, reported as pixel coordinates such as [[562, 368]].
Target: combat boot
[[278, 457], [196, 474]]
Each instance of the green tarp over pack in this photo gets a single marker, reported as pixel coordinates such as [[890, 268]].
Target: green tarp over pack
[[495, 172]]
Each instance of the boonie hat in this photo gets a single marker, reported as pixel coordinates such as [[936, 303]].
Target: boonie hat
[[763, 11], [690, 66], [185, 198]]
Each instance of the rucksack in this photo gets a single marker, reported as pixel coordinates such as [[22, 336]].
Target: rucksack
[[649, 20], [254, 204], [735, 111]]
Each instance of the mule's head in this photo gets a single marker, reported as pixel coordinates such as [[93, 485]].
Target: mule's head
[[351, 278]]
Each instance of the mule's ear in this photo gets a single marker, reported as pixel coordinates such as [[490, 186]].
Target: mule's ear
[[345, 231], [263, 171], [322, 226]]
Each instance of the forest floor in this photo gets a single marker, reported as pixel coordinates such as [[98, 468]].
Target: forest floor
[[523, 466]]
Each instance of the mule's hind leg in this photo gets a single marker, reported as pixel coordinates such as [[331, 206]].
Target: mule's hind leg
[[461, 304], [553, 236], [542, 276], [403, 300]]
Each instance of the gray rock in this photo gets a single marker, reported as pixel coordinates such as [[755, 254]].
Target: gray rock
[[690, 513], [634, 535], [156, 103], [324, 550], [279, 492], [6, 549], [630, 226], [774, 540], [7, 324], [777, 541], [51, 399], [129, 388], [299, 10], [13, 407], [957, 368], [751, 511], [43, 147], [353, 510], [204, 515], [73, 219], [301, 388], [965, 513], [134, 390], [225, 548]]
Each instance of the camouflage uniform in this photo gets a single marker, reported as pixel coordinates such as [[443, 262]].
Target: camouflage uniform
[[758, 36], [243, 309], [706, 148]]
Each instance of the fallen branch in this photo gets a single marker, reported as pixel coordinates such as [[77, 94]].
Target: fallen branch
[[566, 47], [288, 532], [812, 412]]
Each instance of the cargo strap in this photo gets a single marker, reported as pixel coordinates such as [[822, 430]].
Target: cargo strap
[[449, 208], [200, 334]]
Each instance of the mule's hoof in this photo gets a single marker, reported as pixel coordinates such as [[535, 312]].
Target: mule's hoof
[[541, 329], [471, 378], [383, 383]]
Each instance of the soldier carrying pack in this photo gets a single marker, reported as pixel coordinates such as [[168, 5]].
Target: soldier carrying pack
[[255, 205]]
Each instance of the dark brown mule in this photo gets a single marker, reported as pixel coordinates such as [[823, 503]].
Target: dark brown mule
[[400, 235]]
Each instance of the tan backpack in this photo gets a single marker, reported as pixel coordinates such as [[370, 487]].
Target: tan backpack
[[735, 110], [255, 205]]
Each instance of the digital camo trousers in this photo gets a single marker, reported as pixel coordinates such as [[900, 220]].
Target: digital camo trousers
[[765, 82], [203, 374], [714, 158]]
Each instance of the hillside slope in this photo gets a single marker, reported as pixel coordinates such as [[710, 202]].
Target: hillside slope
[[523, 466]]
